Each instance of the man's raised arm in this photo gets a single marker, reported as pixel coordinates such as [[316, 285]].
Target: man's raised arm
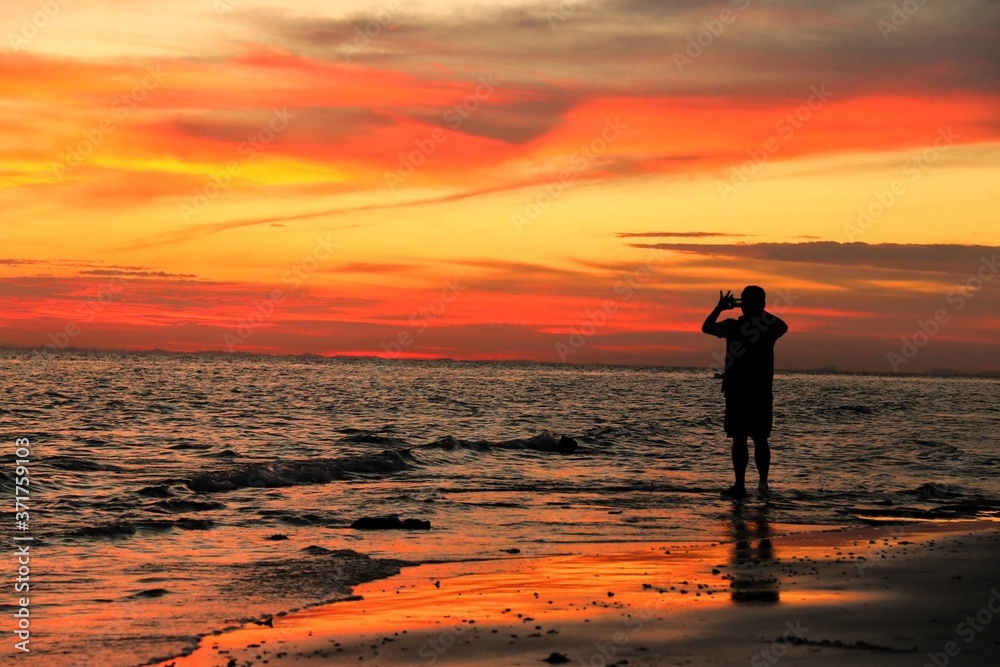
[[712, 326]]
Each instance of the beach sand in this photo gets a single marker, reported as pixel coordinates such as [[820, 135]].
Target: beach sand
[[888, 595]]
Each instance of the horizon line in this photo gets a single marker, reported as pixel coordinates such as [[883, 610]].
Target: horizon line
[[826, 370]]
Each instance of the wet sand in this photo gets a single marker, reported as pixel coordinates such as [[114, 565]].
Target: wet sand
[[887, 595]]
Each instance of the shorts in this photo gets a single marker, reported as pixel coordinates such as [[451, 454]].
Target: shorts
[[749, 411]]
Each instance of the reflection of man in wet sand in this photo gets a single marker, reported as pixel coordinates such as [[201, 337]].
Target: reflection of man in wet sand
[[749, 375], [751, 577]]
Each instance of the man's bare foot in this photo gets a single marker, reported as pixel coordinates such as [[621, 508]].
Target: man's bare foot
[[763, 491], [735, 492]]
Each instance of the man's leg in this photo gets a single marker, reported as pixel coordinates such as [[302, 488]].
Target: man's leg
[[762, 457], [741, 457]]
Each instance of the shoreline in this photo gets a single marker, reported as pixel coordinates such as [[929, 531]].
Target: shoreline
[[822, 596]]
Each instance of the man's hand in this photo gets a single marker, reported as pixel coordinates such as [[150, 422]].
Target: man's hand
[[726, 302], [712, 326]]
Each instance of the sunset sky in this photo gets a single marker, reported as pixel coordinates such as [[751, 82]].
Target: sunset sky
[[556, 181]]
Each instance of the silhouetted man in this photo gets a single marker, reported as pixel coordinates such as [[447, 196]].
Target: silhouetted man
[[747, 381]]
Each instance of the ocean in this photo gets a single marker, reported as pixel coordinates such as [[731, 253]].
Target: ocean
[[176, 495]]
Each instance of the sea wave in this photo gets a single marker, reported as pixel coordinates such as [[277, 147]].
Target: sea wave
[[296, 472]]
